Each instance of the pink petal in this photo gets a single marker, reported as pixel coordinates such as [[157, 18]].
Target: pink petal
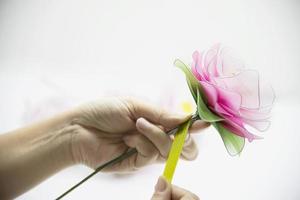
[[229, 102], [234, 125], [197, 66], [196, 73], [228, 98], [210, 61], [213, 60], [230, 111], [255, 114], [210, 93], [222, 111], [246, 83]]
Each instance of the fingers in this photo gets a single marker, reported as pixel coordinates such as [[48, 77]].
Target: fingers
[[182, 194], [189, 150], [155, 114], [147, 153], [159, 138], [198, 126], [163, 190], [163, 142]]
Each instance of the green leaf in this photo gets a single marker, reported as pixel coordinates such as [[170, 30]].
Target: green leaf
[[233, 143], [190, 78], [204, 112], [196, 90]]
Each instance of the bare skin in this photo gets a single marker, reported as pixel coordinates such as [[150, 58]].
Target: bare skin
[[166, 191], [91, 134]]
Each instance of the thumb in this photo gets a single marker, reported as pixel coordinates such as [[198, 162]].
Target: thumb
[[162, 190]]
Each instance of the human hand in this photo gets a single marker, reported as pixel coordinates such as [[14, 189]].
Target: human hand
[[106, 128], [167, 191]]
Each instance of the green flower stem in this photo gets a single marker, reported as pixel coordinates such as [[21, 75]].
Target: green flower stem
[[121, 157]]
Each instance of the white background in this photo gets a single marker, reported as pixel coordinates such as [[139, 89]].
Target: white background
[[57, 54]]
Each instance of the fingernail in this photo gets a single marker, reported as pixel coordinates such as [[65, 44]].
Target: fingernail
[[161, 185], [142, 123]]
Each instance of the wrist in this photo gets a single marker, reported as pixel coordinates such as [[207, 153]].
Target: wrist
[[69, 134], [83, 142], [75, 134], [60, 139]]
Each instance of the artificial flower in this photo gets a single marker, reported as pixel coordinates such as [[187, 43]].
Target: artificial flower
[[229, 96]]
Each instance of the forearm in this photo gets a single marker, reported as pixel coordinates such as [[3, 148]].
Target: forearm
[[31, 154]]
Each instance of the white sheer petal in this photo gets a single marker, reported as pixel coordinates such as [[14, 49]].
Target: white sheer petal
[[231, 64], [255, 114], [261, 125], [267, 95]]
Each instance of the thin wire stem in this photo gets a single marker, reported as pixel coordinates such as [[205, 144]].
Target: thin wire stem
[[119, 158]]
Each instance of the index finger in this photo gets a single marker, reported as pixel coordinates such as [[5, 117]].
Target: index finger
[[155, 114]]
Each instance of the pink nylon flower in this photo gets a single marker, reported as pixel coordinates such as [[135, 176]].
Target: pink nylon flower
[[233, 92]]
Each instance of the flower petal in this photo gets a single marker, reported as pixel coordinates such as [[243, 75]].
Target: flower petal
[[210, 93], [204, 112], [228, 98], [230, 64], [222, 111], [267, 95], [197, 67], [246, 83], [255, 114], [210, 61], [235, 125], [260, 125]]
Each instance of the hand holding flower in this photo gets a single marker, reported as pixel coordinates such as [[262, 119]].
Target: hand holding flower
[[107, 128]]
